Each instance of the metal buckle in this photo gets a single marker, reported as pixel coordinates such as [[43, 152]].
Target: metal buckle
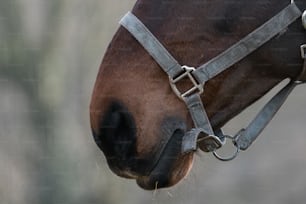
[[302, 77], [187, 73], [210, 143], [303, 53]]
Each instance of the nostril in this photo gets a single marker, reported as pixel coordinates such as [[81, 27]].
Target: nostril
[[117, 133], [123, 134]]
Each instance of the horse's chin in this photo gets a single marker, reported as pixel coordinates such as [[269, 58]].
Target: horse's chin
[[171, 167], [161, 178]]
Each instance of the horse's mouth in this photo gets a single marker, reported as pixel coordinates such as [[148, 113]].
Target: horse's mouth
[[171, 167], [163, 165]]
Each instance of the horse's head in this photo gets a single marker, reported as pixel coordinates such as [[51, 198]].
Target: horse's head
[[138, 121]]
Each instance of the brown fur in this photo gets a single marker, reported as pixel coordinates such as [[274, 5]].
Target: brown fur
[[193, 32]]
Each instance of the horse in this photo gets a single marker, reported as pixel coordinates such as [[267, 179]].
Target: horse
[[137, 120]]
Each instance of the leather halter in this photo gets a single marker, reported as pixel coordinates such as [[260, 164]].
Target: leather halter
[[212, 140]]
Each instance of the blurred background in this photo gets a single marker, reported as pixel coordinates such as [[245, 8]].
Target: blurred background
[[50, 52]]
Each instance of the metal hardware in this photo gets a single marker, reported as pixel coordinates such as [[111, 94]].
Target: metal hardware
[[302, 77], [187, 73], [303, 51], [304, 19], [210, 143], [235, 154]]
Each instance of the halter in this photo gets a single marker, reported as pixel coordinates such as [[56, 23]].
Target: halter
[[212, 140]]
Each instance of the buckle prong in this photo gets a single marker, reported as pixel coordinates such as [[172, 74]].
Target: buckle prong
[[187, 73]]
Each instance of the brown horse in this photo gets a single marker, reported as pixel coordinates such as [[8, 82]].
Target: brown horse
[[137, 120]]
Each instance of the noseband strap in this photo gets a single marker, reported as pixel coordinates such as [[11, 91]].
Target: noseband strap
[[211, 140], [159, 53]]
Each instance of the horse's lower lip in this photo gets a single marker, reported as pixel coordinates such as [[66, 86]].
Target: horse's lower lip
[[160, 176]]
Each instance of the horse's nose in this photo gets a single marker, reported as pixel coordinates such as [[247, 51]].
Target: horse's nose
[[117, 135]]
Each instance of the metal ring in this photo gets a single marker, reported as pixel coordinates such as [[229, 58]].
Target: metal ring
[[230, 158]]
